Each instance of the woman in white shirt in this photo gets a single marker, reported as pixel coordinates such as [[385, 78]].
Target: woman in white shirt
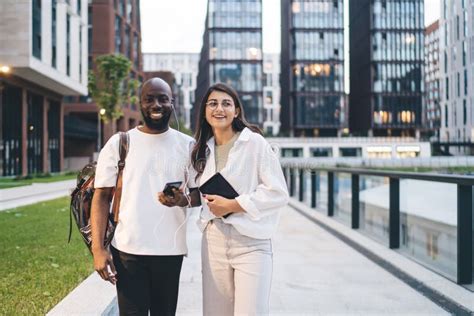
[[236, 245]]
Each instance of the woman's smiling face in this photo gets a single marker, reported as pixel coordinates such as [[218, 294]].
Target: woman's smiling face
[[220, 110]]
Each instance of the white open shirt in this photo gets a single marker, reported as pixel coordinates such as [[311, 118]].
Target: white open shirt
[[254, 171]]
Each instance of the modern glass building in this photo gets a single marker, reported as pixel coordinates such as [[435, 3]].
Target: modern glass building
[[313, 101], [386, 41], [271, 93], [431, 105], [232, 53]]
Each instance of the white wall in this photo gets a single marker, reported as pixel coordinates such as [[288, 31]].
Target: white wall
[[456, 129]]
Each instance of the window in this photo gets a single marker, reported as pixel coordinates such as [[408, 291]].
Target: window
[[89, 32], [445, 62], [458, 84], [80, 53], [122, 7], [465, 22], [269, 97], [464, 112], [445, 8], [53, 33], [465, 82], [445, 116], [127, 42], [129, 11], [457, 27], [118, 34], [447, 89], [464, 52], [36, 34], [68, 45], [137, 50]]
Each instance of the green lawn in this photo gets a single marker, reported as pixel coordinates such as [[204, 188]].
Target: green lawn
[[14, 182], [37, 266]]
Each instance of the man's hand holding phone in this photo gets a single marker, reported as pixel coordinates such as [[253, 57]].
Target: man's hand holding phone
[[173, 195]]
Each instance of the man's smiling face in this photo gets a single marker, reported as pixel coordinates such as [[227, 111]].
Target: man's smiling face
[[156, 104]]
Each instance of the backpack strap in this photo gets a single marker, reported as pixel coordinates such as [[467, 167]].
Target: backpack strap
[[123, 150]]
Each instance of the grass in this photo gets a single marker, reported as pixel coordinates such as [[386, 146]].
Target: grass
[[37, 266], [40, 178]]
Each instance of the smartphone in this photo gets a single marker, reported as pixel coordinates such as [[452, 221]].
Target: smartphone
[[168, 190]]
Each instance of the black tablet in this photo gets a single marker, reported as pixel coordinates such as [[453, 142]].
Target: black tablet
[[218, 185]]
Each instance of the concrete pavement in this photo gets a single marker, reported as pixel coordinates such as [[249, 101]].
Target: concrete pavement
[[34, 193], [315, 273]]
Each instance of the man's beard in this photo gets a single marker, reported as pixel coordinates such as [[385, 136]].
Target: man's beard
[[158, 125]]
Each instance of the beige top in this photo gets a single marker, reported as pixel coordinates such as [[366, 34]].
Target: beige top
[[222, 152]]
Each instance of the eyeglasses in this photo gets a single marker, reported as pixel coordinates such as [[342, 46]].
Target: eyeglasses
[[226, 104]]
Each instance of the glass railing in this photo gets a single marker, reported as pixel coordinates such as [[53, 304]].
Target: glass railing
[[426, 217], [428, 223], [374, 207], [342, 197]]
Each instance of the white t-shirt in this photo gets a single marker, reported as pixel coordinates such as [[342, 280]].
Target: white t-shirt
[[147, 227]]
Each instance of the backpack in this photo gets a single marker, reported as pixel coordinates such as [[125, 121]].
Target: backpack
[[81, 198]]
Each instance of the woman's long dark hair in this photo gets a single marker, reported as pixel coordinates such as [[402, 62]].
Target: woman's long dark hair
[[204, 130]]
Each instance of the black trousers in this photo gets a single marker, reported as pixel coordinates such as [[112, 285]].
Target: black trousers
[[147, 283]]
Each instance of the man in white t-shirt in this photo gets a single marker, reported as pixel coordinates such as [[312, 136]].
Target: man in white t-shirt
[[150, 239]]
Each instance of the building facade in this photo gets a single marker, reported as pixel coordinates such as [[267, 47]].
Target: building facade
[[313, 101], [457, 72], [271, 94], [43, 56], [113, 28], [386, 42], [232, 53], [184, 66], [431, 104]]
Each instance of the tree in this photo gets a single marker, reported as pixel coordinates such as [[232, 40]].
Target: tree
[[110, 86]]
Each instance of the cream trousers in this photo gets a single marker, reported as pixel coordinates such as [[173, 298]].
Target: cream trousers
[[236, 272]]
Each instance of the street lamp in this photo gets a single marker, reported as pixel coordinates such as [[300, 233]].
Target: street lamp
[[4, 71], [100, 113]]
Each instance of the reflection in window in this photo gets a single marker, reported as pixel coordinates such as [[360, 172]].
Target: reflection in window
[[236, 45], [36, 34], [431, 245], [235, 14], [313, 45], [317, 14], [242, 77], [318, 77], [252, 104], [320, 110], [68, 44], [54, 33]]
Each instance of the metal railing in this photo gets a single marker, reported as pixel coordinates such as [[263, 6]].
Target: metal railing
[[344, 140], [464, 189]]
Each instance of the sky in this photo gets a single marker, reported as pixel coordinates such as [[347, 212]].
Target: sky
[[178, 25]]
